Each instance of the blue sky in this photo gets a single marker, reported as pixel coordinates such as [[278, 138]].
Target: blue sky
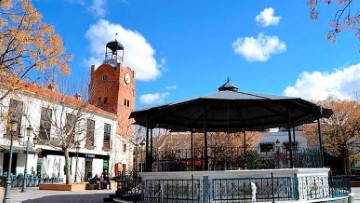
[[184, 49]]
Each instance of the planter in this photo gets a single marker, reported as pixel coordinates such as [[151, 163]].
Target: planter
[[1, 191], [355, 183], [62, 187]]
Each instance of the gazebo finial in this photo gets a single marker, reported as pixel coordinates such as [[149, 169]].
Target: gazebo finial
[[228, 86]]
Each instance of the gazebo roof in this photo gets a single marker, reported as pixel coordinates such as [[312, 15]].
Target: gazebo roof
[[230, 110]]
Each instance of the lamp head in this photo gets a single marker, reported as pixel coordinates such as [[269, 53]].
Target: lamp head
[[14, 122], [35, 140], [29, 131], [142, 145], [277, 143]]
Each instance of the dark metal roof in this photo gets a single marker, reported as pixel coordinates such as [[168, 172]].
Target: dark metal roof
[[230, 111], [228, 86], [114, 46]]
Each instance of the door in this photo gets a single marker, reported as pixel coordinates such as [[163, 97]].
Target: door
[[88, 169], [13, 163]]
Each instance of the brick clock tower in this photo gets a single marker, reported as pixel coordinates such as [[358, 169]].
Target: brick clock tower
[[112, 87]]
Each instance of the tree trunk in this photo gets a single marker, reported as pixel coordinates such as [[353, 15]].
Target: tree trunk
[[346, 169], [67, 166], [347, 161], [343, 160]]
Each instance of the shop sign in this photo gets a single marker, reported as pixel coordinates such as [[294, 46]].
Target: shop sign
[[89, 155]]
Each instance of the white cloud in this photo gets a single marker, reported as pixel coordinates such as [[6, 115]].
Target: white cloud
[[139, 55], [98, 7], [153, 98], [341, 83], [171, 87], [267, 18], [260, 48]]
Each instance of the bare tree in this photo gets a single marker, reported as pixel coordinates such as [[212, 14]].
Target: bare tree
[[28, 45], [345, 18], [66, 121]]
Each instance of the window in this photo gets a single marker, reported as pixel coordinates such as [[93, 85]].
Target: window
[[15, 109], [124, 149], [128, 103], [90, 132], [105, 100], [266, 147], [124, 102], [104, 77], [45, 123], [107, 133]]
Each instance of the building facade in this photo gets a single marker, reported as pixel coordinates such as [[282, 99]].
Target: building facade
[[97, 133], [112, 89], [51, 116]]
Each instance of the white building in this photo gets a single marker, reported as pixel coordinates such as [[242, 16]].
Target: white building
[[50, 114]]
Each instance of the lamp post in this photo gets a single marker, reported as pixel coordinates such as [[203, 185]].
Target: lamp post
[[142, 145], [29, 131], [277, 147], [77, 147], [14, 122]]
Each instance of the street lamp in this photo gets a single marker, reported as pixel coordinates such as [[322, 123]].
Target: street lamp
[[142, 145], [77, 147], [29, 131], [14, 122], [277, 147]]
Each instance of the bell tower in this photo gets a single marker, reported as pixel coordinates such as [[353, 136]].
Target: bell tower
[[112, 87]]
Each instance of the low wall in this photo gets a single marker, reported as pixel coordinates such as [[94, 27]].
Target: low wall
[[62, 187], [295, 184]]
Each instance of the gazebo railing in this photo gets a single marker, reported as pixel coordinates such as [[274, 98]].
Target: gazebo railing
[[264, 189], [233, 158]]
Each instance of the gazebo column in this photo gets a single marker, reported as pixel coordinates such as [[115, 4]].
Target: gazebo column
[[293, 126], [290, 142], [151, 146], [206, 160], [295, 147], [147, 157], [245, 146], [320, 143], [192, 149]]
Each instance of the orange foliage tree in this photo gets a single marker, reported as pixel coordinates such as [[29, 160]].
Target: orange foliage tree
[[340, 132], [345, 17], [225, 148], [28, 45]]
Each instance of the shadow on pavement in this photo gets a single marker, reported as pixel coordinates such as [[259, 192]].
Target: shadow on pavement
[[70, 198]]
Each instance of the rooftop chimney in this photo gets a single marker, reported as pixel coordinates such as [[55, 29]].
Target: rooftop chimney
[[77, 96]]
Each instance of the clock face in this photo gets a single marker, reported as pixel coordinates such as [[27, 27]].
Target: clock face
[[127, 78]]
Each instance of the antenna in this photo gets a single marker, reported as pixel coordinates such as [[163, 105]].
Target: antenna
[[356, 95]]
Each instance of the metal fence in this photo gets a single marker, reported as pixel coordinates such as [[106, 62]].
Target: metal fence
[[229, 190], [252, 189], [232, 158], [172, 190]]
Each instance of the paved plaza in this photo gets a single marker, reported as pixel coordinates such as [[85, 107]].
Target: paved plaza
[[34, 195]]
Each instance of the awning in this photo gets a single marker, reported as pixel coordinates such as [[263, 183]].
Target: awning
[[16, 149]]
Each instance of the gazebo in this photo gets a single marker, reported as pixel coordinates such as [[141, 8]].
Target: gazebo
[[230, 110]]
